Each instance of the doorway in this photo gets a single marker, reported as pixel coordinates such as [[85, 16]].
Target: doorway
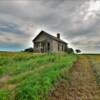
[[48, 46]]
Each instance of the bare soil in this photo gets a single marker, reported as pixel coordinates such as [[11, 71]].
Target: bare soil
[[3, 80], [80, 86]]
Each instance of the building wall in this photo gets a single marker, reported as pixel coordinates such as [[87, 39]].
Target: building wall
[[54, 46], [58, 46], [41, 38]]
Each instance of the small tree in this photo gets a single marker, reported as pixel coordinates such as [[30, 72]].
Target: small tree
[[70, 50], [78, 51], [28, 50]]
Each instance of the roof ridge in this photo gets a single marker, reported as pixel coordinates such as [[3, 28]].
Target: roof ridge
[[54, 37]]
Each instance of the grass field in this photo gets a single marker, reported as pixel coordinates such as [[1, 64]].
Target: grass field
[[27, 76], [95, 63]]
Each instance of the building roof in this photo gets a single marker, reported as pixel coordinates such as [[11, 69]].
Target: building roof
[[53, 37]]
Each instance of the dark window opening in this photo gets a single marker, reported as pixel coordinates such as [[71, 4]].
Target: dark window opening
[[36, 45], [48, 46], [62, 48]]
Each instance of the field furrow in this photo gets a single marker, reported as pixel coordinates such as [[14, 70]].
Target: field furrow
[[81, 85]]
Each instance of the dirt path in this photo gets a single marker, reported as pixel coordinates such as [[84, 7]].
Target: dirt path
[[81, 85]]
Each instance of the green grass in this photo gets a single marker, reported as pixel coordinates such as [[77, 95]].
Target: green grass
[[4, 94], [32, 75]]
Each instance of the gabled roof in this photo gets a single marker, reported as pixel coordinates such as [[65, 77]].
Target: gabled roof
[[53, 37]]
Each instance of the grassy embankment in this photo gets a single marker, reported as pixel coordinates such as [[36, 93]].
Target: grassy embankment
[[26, 76]]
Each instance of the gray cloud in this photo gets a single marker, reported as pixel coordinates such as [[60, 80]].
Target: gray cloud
[[76, 20]]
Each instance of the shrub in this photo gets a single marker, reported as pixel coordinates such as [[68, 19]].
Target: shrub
[[28, 50], [70, 50]]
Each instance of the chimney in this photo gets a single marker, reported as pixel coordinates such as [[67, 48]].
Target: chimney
[[58, 35]]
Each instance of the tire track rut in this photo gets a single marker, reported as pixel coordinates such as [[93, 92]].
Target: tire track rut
[[81, 85]]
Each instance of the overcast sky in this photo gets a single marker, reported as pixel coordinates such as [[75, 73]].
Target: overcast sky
[[78, 21]]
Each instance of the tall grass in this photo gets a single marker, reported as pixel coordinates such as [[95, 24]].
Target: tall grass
[[95, 63], [33, 74], [4, 94]]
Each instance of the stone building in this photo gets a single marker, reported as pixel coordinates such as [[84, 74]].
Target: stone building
[[45, 42]]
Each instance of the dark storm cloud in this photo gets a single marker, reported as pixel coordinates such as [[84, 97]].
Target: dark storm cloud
[[10, 27], [74, 19]]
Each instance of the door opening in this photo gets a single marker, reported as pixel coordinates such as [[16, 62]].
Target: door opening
[[48, 47]]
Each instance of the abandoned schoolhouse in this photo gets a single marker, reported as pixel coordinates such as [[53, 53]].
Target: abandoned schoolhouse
[[45, 42]]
